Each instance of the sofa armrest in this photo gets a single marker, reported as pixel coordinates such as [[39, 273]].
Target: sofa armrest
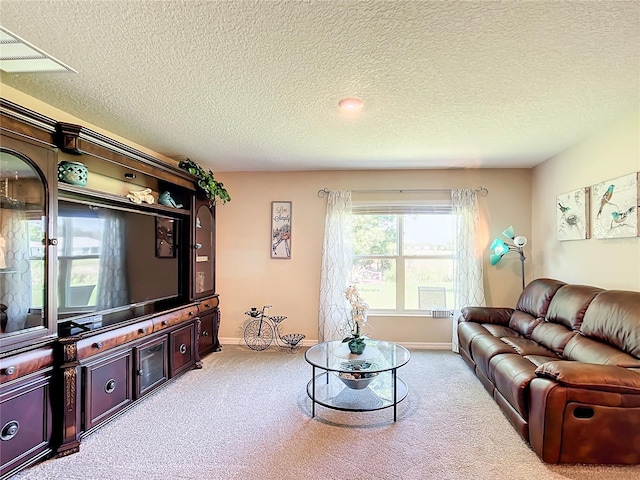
[[492, 315], [607, 378]]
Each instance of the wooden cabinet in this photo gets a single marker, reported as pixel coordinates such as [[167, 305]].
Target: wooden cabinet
[[73, 355], [151, 365], [203, 260], [182, 349], [209, 325], [107, 387], [27, 291], [25, 421]]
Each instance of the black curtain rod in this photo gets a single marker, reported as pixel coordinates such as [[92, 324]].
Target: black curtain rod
[[482, 190]]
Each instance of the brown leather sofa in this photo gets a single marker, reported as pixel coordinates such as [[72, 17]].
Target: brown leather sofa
[[564, 367]]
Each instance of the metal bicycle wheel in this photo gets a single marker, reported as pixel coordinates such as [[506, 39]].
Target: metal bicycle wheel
[[256, 336]]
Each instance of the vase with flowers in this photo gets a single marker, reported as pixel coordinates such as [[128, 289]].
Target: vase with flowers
[[356, 320]]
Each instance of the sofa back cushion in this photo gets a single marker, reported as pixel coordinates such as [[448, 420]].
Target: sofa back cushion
[[569, 305], [613, 317], [533, 304], [587, 350], [564, 316], [535, 299]]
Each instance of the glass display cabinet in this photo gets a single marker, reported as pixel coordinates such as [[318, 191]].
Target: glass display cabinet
[[203, 250], [26, 244]]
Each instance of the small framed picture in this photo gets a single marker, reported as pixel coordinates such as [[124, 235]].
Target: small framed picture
[[165, 237], [614, 207], [281, 230], [572, 215]]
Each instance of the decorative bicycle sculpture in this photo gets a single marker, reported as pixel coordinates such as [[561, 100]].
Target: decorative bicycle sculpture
[[260, 332]]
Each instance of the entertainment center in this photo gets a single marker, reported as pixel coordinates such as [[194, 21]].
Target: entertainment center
[[103, 297]]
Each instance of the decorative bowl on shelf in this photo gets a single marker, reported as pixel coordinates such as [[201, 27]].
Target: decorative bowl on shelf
[[355, 377], [73, 173]]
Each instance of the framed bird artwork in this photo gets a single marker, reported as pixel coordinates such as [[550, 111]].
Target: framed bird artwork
[[614, 207], [572, 215]]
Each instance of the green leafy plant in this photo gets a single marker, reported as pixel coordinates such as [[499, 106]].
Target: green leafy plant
[[207, 184]]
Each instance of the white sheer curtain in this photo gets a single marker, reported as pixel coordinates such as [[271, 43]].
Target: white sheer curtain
[[337, 260], [113, 290], [15, 282], [468, 286]]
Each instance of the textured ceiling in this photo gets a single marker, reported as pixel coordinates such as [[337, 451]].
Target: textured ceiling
[[254, 85]]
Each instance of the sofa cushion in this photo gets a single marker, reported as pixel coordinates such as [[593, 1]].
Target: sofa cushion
[[613, 317], [524, 346], [484, 348], [569, 305], [553, 336], [500, 331], [587, 350], [535, 299], [512, 375], [467, 331], [538, 360], [524, 323]]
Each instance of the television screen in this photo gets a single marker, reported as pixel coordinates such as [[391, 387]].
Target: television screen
[[109, 258]]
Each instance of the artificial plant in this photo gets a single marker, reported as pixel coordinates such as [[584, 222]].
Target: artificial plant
[[207, 183]]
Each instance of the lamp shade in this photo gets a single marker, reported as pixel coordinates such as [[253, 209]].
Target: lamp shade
[[495, 258], [509, 233], [499, 247]]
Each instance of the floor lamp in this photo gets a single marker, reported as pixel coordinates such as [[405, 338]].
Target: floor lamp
[[500, 248]]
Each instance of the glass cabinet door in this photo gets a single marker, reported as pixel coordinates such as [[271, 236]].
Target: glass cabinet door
[[204, 252], [22, 246]]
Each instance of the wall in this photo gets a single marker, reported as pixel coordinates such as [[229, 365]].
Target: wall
[[247, 276], [610, 263]]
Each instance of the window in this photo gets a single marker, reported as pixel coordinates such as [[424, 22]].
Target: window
[[404, 257]]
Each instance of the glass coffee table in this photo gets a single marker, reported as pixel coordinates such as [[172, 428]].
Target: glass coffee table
[[356, 383]]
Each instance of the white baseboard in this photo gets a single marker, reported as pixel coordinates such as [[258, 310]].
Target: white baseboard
[[308, 343]]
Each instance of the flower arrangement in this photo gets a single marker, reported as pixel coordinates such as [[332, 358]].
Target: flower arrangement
[[357, 318]]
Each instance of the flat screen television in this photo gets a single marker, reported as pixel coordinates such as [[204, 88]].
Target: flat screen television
[[115, 263]]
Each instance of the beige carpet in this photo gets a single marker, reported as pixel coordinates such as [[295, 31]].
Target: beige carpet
[[246, 415]]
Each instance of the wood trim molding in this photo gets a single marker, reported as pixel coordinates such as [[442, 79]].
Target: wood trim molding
[[79, 140], [19, 120]]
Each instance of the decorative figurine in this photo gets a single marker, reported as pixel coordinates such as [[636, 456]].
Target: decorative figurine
[[141, 196], [165, 198]]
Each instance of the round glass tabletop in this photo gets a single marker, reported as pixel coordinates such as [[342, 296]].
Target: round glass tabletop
[[378, 356]]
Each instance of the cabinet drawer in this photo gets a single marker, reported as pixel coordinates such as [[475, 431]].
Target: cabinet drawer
[[25, 422], [205, 342], [107, 387], [174, 318], [208, 304], [114, 338], [25, 363], [181, 349]]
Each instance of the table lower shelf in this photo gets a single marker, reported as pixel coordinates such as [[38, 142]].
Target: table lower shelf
[[331, 392]]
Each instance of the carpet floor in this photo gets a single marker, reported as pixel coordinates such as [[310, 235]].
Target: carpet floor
[[246, 415]]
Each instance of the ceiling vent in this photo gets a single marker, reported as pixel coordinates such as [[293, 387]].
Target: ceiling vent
[[19, 56]]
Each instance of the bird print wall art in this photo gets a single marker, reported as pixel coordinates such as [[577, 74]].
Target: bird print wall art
[[572, 215], [614, 212]]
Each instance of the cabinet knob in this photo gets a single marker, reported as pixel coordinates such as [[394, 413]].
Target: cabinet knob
[[183, 349], [110, 386], [53, 241], [206, 305], [9, 430], [9, 370], [142, 330], [140, 372], [98, 344], [197, 246], [191, 313], [205, 334]]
